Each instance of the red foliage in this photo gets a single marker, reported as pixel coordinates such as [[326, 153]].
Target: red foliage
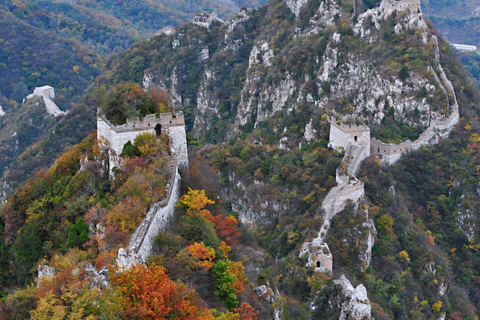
[[226, 228], [133, 163], [246, 312], [456, 316], [150, 294]]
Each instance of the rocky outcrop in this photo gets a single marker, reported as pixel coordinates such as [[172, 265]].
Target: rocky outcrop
[[47, 93], [97, 279], [2, 113], [126, 259], [44, 271], [356, 304], [272, 298], [207, 104], [412, 17]]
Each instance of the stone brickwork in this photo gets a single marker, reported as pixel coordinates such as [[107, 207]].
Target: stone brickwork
[[173, 125], [157, 218], [341, 135], [206, 19], [318, 254], [401, 5], [389, 153]]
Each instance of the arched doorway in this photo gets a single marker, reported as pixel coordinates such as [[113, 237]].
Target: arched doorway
[[158, 129]]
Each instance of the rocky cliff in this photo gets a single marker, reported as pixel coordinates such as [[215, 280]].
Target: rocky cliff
[[261, 90]]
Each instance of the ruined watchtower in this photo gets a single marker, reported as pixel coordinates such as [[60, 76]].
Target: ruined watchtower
[[401, 5], [319, 255], [206, 19], [341, 135], [168, 123]]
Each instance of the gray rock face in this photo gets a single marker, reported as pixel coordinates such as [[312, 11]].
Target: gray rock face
[[296, 5], [125, 260], [2, 113], [356, 304], [272, 297], [98, 279], [44, 271]]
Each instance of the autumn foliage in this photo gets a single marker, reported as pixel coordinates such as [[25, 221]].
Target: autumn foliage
[[195, 201], [147, 291]]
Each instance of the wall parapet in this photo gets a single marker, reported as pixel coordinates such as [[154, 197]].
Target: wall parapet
[[148, 122], [173, 125], [158, 216]]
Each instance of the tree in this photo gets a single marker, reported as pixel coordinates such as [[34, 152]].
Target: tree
[[229, 280], [149, 291], [146, 144], [246, 312], [78, 234], [194, 201], [404, 73]]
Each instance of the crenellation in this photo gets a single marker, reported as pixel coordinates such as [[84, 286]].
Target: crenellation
[[206, 19], [341, 135], [168, 123]]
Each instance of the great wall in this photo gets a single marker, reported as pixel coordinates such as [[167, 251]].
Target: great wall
[[114, 138], [355, 140]]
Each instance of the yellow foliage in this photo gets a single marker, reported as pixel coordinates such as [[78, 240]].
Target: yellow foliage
[[472, 245], [49, 308], [194, 201], [146, 143], [437, 306], [310, 198], [404, 255], [468, 127], [474, 138]]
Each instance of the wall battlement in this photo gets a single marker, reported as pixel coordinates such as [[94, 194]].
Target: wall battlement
[[401, 5], [206, 19], [173, 125], [148, 122]]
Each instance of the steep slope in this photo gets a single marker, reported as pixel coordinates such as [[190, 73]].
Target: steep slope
[[113, 26], [458, 22], [261, 91], [271, 77], [32, 57]]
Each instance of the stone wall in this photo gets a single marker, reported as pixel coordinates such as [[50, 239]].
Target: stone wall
[[172, 125], [342, 135], [158, 216], [389, 153], [401, 5]]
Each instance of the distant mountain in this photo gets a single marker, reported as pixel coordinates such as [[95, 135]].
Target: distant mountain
[[112, 26], [459, 22], [63, 44]]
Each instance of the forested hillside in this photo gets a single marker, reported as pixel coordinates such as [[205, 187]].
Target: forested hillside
[[63, 44], [259, 94], [112, 26], [459, 22]]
